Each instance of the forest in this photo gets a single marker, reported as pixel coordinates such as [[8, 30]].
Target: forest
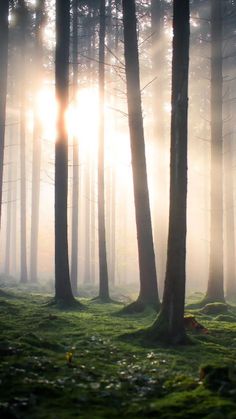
[[117, 209]]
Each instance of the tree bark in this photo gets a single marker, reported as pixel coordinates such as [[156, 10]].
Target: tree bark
[[23, 246], [169, 325], [37, 134], [103, 272], [4, 10], [75, 187], [160, 198], [148, 281], [215, 290], [63, 292], [229, 209]]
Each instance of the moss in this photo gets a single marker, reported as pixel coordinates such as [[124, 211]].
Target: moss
[[215, 308], [107, 376]]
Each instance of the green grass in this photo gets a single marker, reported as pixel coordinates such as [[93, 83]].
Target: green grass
[[111, 374]]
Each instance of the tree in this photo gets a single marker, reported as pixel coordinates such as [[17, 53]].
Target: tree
[[23, 17], [169, 325], [160, 208], [215, 290], [103, 271], [37, 134], [4, 10], [148, 281], [75, 187], [63, 292]]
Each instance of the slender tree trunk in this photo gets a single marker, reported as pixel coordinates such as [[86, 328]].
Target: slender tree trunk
[[37, 134], [215, 290], [75, 187], [4, 10], [160, 221], [87, 221], [229, 211], [23, 239], [8, 223], [63, 292], [148, 280], [169, 325], [103, 272]]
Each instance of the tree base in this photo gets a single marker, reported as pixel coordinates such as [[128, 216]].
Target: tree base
[[64, 304], [139, 306], [103, 300], [159, 333]]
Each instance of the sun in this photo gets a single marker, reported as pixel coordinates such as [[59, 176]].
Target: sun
[[81, 117]]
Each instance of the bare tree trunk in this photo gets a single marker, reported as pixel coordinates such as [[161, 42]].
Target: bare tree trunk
[[8, 250], [229, 210], [4, 10], [160, 220], [23, 239], [169, 325], [63, 292], [75, 187], [148, 281], [215, 290], [87, 221], [103, 272], [37, 134]]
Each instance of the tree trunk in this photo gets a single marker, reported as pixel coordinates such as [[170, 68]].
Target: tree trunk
[[4, 10], [229, 210], [75, 187], [103, 272], [63, 292], [169, 325], [37, 138], [23, 239], [148, 281], [215, 290], [160, 210], [8, 248]]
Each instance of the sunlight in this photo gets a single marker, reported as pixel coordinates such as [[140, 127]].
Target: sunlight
[[82, 119], [46, 107]]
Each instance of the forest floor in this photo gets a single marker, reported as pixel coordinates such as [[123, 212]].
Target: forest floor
[[58, 364]]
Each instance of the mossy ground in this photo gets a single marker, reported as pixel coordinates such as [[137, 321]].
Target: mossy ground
[[109, 376]]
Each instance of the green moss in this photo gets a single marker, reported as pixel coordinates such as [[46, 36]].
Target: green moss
[[108, 376], [215, 308]]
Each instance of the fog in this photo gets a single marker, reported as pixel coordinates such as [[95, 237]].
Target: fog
[[82, 123]]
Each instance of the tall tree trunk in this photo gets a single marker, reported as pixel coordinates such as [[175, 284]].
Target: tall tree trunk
[[229, 210], [87, 221], [148, 280], [63, 292], [169, 325], [160, 210], [37, 134], [75, 187], [9, 217], [103, 272], [4, 10], [215, 290], [23, 239]]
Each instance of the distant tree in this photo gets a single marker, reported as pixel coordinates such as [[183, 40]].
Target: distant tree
[[75, 187], [63, 292], [215, 290], [148, 281], [103, 271], [37, 138], [4, 10], [169, 325], [23, 21]]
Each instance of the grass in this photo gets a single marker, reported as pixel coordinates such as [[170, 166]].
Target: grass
[[110, 374]]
